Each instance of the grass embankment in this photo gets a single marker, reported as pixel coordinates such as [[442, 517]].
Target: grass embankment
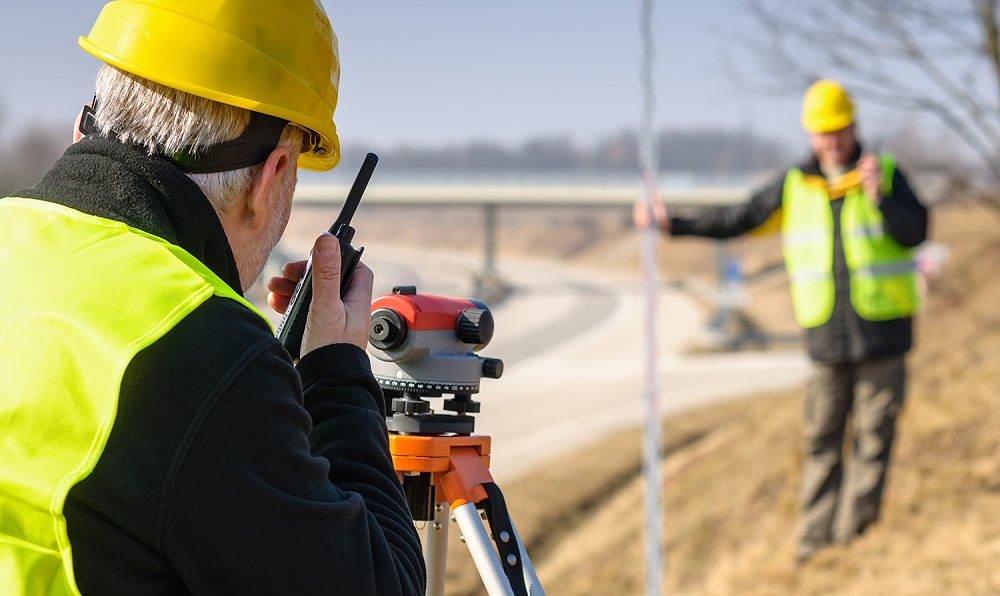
[[730, 476]]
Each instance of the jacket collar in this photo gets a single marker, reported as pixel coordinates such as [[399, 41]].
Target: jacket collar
[[122, 182]]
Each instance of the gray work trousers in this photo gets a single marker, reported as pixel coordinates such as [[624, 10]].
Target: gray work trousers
[[837, 506]]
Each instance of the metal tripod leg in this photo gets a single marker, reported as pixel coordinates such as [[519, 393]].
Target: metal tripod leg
[[460, 472], [530, 578], [478, 541], [436, 550], [489, 566]]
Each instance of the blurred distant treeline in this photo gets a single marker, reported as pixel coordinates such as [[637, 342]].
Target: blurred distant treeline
[[707, 150], [26, 155]]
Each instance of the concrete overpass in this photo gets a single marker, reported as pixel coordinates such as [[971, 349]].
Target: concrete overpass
[[494, 195], [528, 194]]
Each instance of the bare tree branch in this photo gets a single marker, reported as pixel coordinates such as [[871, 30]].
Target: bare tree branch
[[991, 37], [939, 59]]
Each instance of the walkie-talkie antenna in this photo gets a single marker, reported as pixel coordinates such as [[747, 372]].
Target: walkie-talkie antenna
[[357, 190]]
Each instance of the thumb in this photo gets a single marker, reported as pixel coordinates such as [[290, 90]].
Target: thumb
[[326, 313], [326, 267]]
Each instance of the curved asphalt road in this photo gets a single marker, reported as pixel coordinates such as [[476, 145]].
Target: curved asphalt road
[[573, 347]]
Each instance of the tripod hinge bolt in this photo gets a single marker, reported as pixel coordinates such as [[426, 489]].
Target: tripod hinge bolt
[[504, 537], [511, 560]]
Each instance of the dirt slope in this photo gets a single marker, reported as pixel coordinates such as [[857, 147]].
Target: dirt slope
[[730, 472]]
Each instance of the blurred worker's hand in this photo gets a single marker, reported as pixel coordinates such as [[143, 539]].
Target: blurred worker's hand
[[331, 320], [870, 172], [643, 216]]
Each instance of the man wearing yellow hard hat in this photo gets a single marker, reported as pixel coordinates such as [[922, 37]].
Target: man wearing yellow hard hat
[[155, 437], [849, 222]]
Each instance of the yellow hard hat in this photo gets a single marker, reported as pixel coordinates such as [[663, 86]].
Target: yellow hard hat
[[275, 57], [826, 107]]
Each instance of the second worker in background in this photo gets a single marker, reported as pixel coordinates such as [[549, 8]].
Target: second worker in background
[[849, 221]]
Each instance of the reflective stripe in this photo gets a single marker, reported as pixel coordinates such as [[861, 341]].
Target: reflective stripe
[[875, 230], [894, 268]]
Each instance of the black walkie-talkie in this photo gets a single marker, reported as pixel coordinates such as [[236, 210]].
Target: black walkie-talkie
[[293, 323]]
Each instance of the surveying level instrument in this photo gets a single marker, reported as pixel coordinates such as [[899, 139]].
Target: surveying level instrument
[[424, 347]]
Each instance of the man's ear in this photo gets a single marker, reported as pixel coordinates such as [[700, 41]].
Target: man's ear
[[266, 185]]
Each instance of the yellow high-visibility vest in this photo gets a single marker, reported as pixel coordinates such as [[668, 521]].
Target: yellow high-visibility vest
[[83, 296], [882, 272]]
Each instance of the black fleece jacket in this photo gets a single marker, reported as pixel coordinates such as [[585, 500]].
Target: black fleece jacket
[[228, 469], [846, 337]]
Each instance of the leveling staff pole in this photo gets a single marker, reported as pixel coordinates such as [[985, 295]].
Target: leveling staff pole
[[651, 268]]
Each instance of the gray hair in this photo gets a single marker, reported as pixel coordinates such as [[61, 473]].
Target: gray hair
[[165, 120]]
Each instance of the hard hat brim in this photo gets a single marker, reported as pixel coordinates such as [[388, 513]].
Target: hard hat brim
[[827, 125]]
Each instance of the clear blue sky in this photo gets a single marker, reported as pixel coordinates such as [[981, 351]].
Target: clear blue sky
[[438, 72]]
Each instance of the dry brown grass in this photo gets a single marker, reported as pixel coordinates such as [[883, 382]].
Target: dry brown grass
[[730, 472]]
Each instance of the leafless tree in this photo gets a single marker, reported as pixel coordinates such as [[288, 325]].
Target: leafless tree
[[937, 58]]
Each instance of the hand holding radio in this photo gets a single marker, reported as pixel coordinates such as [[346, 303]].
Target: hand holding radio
[[330, 321], [335, 317], [331, 318]]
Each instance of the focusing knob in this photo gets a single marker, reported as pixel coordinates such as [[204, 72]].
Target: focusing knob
[[492, 368], [475, 326], [387, 330]]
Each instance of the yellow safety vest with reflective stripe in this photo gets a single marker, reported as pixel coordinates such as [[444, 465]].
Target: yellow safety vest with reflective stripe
[[882, 272], [83, 295]]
